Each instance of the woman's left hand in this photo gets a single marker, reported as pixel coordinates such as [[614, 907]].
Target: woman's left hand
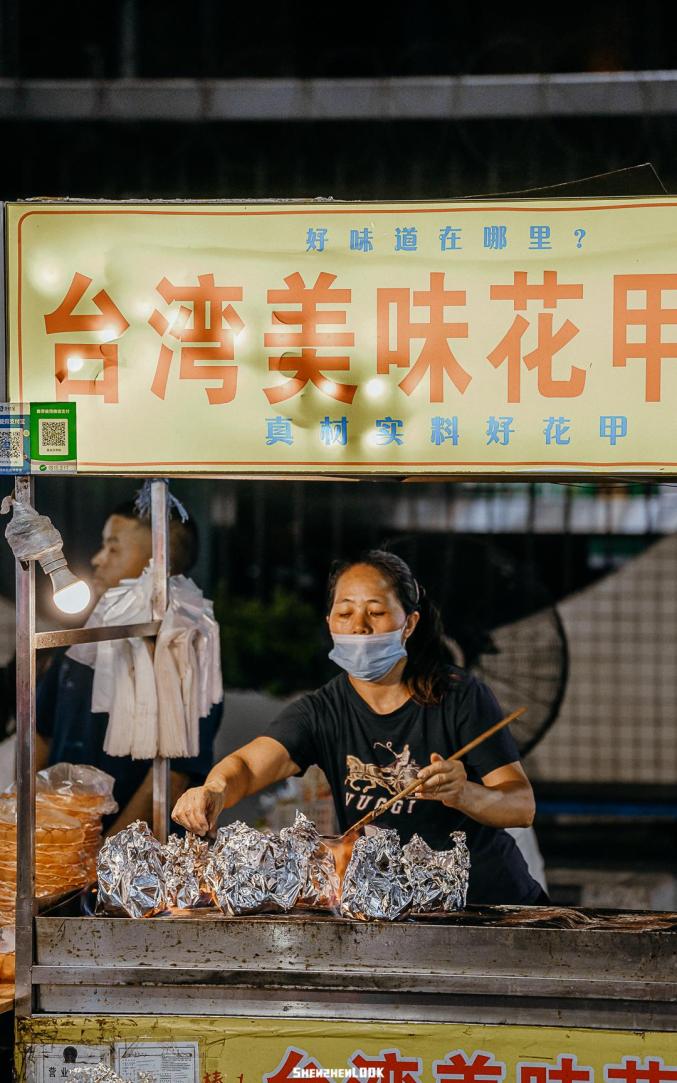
[[444, 780]]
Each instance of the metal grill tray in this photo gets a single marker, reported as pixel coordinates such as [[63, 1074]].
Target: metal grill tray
[[461, 967]]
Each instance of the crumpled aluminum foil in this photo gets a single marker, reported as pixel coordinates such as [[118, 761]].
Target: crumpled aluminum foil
[[185, 861], [249, 872], [286, 888], [439, 878], [101, 1073], [376, 883], [131, 873], [319, 886]]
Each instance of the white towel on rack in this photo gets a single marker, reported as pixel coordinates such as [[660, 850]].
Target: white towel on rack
[[124, 683], [187, 668], [154, 701]]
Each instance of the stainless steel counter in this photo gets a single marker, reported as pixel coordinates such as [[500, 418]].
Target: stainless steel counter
[[453, 970]]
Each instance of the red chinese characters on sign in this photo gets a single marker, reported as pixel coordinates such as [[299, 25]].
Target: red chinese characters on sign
[[634, 1070], [391, 1066], [310, 319], [458, 1067], [107, 322], [510, 349], [436, 358], [564, 1070], [640, 329], [205, 334], [388, 1067], [292, 1061], [309, 328]]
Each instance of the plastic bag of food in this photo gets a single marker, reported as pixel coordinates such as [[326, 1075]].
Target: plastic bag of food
[[77, 787], [53, 826], [7, 949], [70, 801]]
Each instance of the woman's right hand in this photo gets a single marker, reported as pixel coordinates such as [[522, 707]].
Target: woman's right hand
[[199, 808]]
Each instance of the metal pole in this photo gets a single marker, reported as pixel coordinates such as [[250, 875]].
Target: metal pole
[[159, 510], [128, 39], [9, 39], [3, 330], [25, 770]]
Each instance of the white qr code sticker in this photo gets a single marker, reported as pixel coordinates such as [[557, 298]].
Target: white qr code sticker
[[12, 448], [53, 436], [14, 439]]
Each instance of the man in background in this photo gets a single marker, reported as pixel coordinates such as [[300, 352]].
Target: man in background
[[67, 729]]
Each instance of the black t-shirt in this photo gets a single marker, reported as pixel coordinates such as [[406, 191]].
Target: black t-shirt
[[369, 757]]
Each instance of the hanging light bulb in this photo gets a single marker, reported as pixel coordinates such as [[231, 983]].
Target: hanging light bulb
[[33, 537], [71, 595]]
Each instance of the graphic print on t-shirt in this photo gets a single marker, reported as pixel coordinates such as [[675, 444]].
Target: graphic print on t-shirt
[[369, 758], [362, 778]]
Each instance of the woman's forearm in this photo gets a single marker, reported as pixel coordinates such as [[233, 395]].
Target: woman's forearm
[[253, 767], [509, 804], [232, 778]]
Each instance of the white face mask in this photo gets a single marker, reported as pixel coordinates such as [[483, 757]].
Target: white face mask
[[368, 657]]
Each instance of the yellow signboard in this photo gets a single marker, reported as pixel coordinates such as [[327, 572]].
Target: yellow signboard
[[508, 336], [284, 1050]]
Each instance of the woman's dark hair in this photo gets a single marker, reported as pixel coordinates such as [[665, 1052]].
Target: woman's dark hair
[[427, 672]]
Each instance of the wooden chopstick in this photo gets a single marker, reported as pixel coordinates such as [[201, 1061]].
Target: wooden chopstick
[[416, 784]]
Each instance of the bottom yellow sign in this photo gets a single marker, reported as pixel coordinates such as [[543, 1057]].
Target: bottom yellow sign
[[180, 1049]]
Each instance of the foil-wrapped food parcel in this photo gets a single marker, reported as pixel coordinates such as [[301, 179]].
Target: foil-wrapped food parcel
[[248, 872], [131, 873], [101, 1073], [386, 880]]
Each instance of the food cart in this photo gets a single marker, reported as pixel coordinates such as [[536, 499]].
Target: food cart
[[330, 341]]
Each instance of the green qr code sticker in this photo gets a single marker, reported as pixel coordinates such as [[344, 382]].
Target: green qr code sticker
[[53, 437]]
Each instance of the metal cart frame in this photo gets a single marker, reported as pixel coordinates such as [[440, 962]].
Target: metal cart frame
[[455, 970], [300, 965]]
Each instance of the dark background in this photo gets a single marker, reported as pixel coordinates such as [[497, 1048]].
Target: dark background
[[211, 39]]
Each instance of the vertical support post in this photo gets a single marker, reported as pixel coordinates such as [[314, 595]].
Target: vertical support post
[[159, 511], [9, 40], [128, 39], [3, 329], [25, 771]]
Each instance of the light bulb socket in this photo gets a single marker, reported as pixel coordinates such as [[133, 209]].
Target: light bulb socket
[[53, 561], [61, 576]]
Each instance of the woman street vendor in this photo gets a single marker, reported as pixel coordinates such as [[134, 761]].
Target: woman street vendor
[[397, 710]]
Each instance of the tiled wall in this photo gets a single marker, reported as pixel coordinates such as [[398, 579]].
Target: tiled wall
[[618, 721]]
